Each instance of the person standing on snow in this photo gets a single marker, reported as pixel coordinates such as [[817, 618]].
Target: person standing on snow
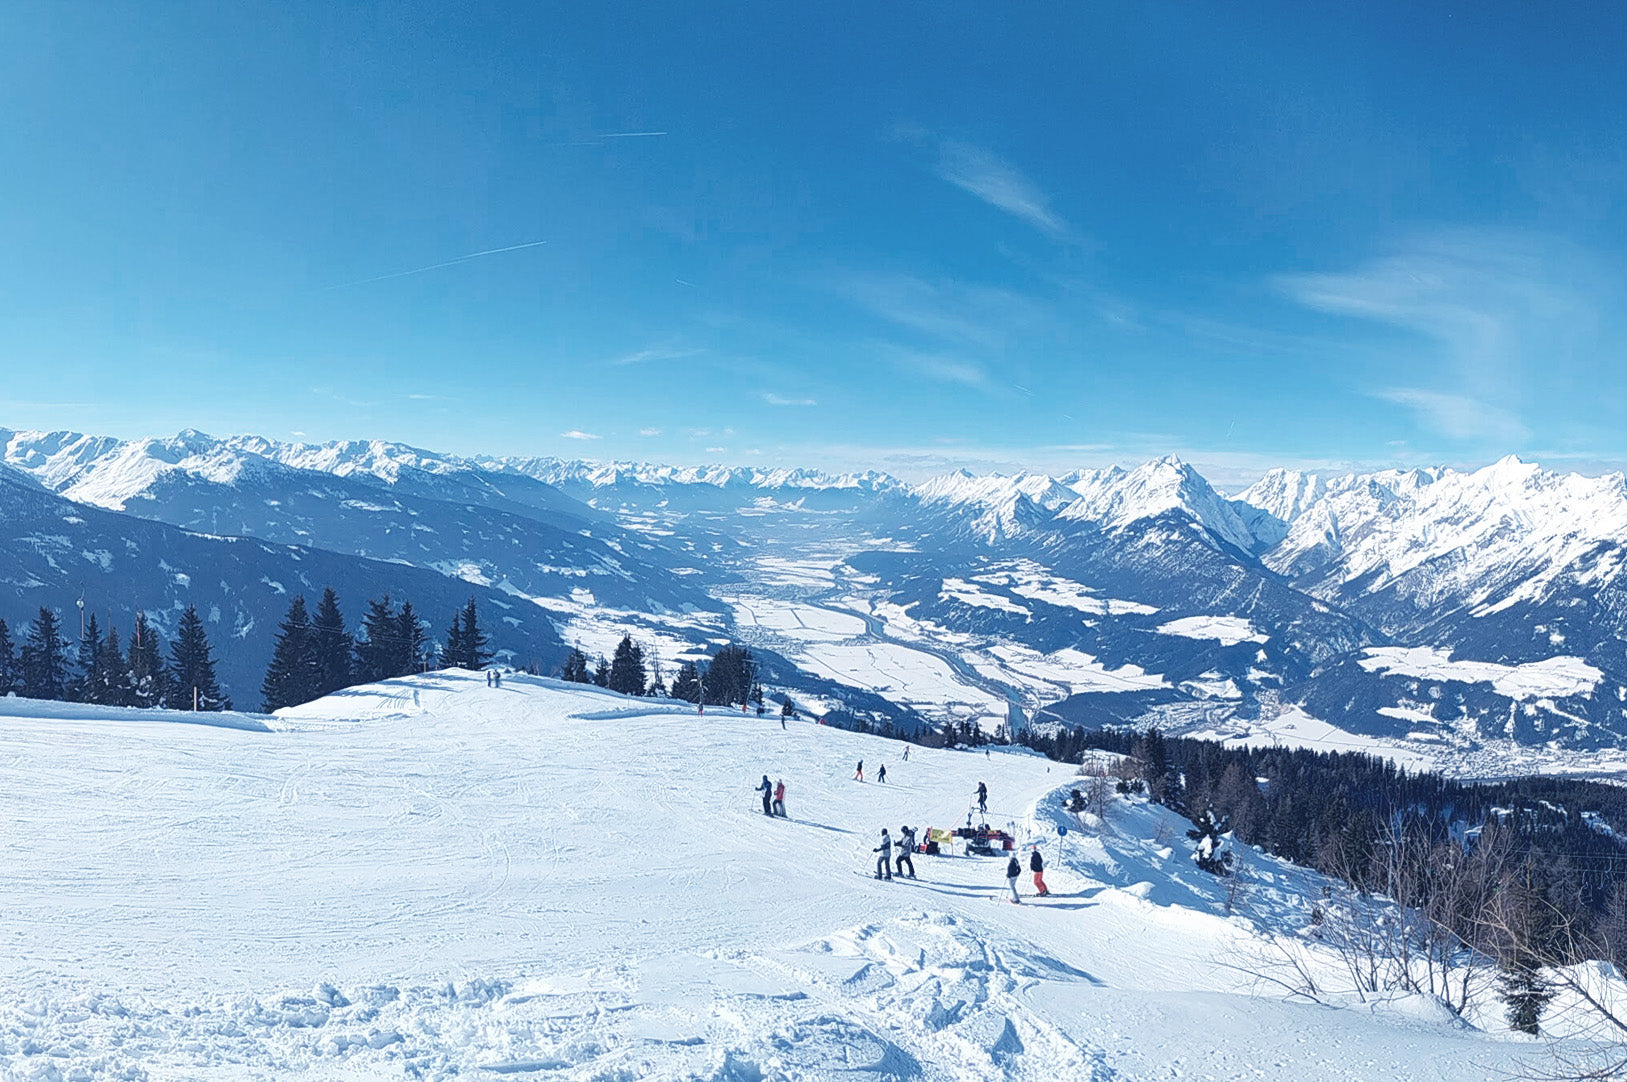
[[906, 753], [859, 773], [884, 866], [881, 775], [906, 846], [1013, 870], [1036, 864], [982, 798], [768, 794], [779, 799]]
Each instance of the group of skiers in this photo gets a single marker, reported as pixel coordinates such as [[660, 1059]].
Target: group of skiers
[[887, 860], [906, 849], [773, 797]]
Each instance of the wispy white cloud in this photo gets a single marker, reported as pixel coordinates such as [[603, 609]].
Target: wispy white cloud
[[1458, 417], [655, 353], [1488, 299], [943, 368], [437, 266], [647, 432], [781, 400], [975, 170], [578, 434]]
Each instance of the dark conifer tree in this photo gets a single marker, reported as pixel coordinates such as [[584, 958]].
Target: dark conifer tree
[[452, 651], [146, 665], [627, 668], [112, 686], [475, 654], [375, 647], [44, 666], [601, 672], [83, 688], [687, 684], [8, 662], [333, 645], [412, 646], [192, 667], [295, 670], [576, 666], [731, 676]]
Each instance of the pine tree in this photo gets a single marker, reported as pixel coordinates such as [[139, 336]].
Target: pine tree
[[332, 645], [452, 652], [193, 668], [627, 668], [112, 673], [1207, 856], [412, 646], [8, 662], [43, 664], [148, 683], [83, 688], [375, 648], [731, 676], [295, 669], [475, 654], [576, 666], [601, 672], [687, 684]]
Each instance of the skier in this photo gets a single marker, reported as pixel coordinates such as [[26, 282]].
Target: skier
[[884, 867], [1013, 870], [497, 678], [906, 846], [982, 798], [859, 773], [881, 775], [906, 753], [779, 799], [1036, 864], [768, 794]]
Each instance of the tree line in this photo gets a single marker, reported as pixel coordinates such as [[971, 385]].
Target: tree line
[[730, 677], [109, 673], [316, 656]]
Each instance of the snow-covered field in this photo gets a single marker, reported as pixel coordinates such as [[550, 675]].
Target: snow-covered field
[[431, 878], [1552, 676]]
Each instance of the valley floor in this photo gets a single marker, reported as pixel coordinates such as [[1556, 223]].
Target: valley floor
[[431, 878]]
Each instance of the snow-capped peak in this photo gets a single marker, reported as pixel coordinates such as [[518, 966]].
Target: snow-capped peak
[[1116, 498]]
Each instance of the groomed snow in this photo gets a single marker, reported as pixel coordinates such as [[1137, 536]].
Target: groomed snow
[[1554, 676], [432, 879]]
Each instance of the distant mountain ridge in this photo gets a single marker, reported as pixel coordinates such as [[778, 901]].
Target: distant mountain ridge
[[1231, 603]]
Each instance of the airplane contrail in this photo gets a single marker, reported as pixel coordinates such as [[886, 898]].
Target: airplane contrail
[[438, 266], [629, 134]]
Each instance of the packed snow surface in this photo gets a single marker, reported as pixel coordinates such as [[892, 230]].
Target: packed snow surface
[[1554, 676], [432, 878]]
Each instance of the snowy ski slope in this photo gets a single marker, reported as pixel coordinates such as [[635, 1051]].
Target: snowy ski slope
[[430, 878]]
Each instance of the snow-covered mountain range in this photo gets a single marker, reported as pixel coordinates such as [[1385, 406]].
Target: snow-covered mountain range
[[1441, 608]]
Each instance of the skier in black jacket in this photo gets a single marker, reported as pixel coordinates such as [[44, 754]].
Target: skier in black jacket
[[1036, 864], [768, 796], [1013, 870]]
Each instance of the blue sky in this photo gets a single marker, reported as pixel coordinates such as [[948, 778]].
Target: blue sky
[[901, 236]]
